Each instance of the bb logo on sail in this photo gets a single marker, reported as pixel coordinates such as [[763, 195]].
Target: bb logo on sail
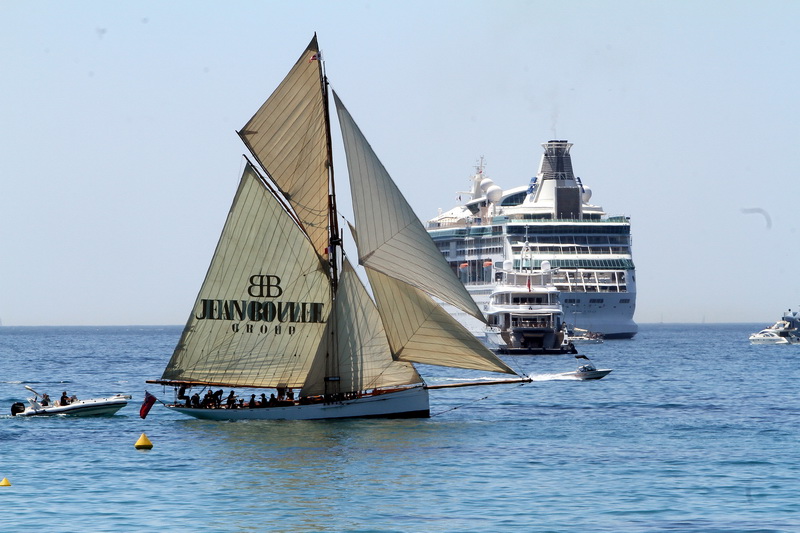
[[264, 286]]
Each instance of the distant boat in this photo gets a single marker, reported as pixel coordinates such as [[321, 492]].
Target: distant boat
[[40, 405], [524, 313], [281, 306], [586, 371], [584, 336], [782, 332]]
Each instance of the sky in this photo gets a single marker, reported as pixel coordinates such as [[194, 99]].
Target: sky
[[119, 157]]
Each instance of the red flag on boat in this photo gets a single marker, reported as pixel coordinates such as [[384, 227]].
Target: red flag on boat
[[149, 400]]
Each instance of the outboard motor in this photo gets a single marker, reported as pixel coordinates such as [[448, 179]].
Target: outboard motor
[[17, 407]]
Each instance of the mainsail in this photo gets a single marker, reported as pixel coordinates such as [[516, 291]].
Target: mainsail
[[261, 312]]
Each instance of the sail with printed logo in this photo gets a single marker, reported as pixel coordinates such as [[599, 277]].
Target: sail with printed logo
[[281, 306]]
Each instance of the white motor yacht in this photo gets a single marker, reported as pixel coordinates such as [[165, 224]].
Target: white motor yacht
[[584, 336], [524, 314], [40, 405], [782, 332]]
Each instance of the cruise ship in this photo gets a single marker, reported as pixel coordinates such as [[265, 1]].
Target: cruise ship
[[552, 217]]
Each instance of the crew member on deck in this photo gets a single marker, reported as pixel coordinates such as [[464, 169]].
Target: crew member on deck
[[182, 394], [64, 398]]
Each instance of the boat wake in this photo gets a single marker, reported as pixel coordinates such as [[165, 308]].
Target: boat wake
[[552, 377]]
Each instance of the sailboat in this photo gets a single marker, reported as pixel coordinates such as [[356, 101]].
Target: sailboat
[[282, 307]]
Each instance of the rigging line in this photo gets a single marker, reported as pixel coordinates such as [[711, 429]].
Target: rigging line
[[517, 366], [472, 401]]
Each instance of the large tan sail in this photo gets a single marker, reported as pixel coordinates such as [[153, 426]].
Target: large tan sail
[[420, 331], [391, 238], [363, 358], [261, 313], [288, 136]]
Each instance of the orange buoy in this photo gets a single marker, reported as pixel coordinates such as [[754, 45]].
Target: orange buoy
[[143, 443]]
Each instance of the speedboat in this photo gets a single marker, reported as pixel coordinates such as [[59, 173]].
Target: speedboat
[[586, 371], [782, 332], [40, 405]]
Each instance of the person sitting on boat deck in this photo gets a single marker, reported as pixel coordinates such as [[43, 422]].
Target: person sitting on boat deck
[[273, 401], [231, 401], [263, 400], [290, 395], [252, 403], [64, 399], [196, 400], [45, 400], [208, 400], [182, 394]]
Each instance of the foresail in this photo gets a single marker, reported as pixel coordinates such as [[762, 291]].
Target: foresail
[[364, 358], [288, 135], [420, 331], [261, 313], [392, 240]]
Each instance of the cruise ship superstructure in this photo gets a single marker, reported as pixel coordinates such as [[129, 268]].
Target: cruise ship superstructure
[[590, 249]]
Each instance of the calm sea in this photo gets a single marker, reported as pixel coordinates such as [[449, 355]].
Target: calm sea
[[694, 430]]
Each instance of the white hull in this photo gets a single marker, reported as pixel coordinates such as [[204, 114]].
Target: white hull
[[580, 340], [92, 407], [407, 403], [782, 332], [493, 339], [588, 375], [755, 339]]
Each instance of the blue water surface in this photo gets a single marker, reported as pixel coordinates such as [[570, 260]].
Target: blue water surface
[[694, 430]]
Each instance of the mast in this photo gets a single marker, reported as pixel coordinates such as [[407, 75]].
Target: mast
[[332, 378], [334, 238]]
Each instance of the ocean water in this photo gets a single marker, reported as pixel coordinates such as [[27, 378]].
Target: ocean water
[[694, 430]]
